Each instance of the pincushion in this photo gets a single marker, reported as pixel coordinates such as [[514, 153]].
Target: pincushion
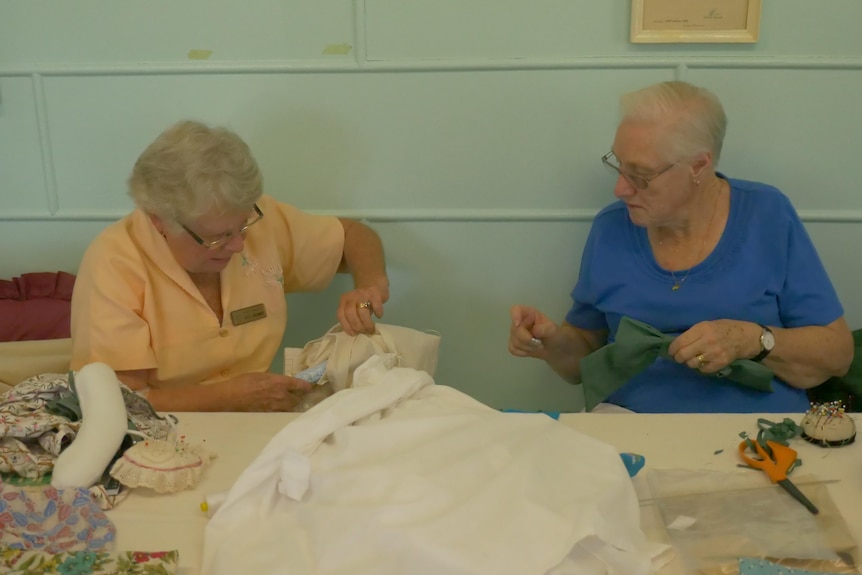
[[827, 425], [166, 466]]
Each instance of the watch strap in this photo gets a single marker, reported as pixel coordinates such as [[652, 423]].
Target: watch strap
[[763, 351]]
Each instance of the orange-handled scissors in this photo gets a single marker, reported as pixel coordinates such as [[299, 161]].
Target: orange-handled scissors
[[776, 466]]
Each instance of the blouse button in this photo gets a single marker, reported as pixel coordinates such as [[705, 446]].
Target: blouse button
[[225, 372], [223, 332]]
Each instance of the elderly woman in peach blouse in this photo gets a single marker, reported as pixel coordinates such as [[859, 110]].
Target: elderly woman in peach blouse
[[184, 297]]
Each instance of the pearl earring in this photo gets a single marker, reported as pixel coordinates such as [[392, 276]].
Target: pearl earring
[[696, 182]]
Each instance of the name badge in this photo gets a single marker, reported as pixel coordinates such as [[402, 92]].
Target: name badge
[[247, 314]]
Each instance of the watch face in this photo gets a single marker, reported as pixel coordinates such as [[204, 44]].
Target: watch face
[[767, 340]]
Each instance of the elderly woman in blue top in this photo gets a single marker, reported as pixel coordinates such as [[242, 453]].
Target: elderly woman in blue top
[[726, 264]]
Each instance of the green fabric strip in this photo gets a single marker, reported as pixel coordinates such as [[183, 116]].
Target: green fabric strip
[[771, 431], [637, 346]]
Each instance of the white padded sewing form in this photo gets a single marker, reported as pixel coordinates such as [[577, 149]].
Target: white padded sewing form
[[103, 426]]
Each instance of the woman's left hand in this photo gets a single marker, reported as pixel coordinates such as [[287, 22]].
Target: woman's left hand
[[709, 346], [357, 308]]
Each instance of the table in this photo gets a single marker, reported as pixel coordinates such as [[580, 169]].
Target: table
[[147, 521]]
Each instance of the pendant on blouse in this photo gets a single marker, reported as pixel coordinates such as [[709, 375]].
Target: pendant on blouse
[[675, 287]]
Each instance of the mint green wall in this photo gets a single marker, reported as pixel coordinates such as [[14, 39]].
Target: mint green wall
[[467, 133]]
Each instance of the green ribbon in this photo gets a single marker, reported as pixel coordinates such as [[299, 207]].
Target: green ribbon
[[771, 431]]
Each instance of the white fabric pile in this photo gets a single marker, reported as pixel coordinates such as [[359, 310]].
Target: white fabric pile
[[397, 475]]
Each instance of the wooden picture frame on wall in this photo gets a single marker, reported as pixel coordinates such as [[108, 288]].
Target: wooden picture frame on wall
[[702, 21]]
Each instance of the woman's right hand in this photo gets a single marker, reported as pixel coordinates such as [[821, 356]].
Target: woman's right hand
[[528, 331], [265, 391]]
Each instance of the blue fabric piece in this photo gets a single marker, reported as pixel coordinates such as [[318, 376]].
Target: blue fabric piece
[[764, 269], [312, 374], [749, 566], [634, 462]]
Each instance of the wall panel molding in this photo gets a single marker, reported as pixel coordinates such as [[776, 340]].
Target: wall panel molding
[[363, 66], [45, 148], [435, 215]]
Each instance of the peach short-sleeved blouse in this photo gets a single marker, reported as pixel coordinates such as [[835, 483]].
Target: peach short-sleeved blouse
[[134, 307]]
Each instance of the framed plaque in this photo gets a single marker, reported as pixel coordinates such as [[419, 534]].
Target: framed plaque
[[672, 21]]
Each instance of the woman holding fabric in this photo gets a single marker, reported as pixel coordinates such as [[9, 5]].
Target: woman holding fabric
[[184, 297], [723, 264]]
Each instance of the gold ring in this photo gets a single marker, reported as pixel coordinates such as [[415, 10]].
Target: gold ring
[[364, 305], [701, 361]]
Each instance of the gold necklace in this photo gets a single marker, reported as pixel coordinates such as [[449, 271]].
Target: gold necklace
[[677, 283]]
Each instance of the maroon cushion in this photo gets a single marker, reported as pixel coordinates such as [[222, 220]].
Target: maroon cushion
[[65, 285], [36, 306], [9, 290]]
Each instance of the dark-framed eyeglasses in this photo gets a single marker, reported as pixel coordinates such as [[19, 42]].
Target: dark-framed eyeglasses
[[640, 183], [213, 244]]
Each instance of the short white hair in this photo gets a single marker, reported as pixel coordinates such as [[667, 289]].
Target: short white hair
[[694, 116], [191, 169]]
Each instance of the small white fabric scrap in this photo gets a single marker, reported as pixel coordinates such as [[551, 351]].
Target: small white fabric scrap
[[398, 475], [681, 523]]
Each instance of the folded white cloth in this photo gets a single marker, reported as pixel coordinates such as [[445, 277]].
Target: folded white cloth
[[397, 475]]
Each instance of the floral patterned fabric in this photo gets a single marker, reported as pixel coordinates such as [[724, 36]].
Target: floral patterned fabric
[[32, 436], [45, 530], [752, 566], [53, 520], [18, 562]]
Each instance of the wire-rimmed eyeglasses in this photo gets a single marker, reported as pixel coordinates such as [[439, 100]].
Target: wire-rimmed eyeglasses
[[213, 244], [640, 183]]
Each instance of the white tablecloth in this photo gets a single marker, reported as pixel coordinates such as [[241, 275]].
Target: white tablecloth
[[147, 521]]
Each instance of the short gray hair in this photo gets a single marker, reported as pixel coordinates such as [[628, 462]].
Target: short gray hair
[[697, 122], [191, 169]]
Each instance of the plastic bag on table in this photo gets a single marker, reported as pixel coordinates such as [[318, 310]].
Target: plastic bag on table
[[714, 518]]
